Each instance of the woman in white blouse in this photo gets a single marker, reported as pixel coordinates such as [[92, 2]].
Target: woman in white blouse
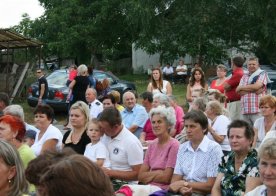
[[266, 123], [157, 84]]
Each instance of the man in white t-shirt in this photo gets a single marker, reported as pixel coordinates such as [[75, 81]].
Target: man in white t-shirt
[[125, 150], [181, 71]]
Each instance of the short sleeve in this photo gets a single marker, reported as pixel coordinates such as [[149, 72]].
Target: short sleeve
[[214, 160], [172, 154], [179, 157], [135, 153], [101, 151]]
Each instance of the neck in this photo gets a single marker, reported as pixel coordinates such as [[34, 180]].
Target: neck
[[4, 191], [16, 143], [270, 118], [241, 155], [163, 139], [95, 142], [212, 117], [271, 192], [118, 131], [78, 129], [44, 128], [196, 143], [148, 108]]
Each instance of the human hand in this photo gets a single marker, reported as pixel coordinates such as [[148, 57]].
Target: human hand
[[187, 191], [39, 101], [176, 186]]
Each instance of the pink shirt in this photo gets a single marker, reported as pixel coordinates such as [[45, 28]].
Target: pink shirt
[[148, 131], [179, 114], [161, 157], [72, 74]]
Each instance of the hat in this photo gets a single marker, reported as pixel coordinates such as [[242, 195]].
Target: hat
[[30, 134]]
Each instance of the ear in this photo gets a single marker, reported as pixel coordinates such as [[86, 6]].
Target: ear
[[14, 134], [12, 172]]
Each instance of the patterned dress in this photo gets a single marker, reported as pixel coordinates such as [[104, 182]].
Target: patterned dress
[[233, 183]]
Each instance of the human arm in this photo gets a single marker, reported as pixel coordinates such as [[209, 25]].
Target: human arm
[[149, 88], [100, 162], [218, 138], [132, 128], [250, 87], [169, 88], [42, 90], [49, 145], [72, 84], [216, 190], [188, 94], [255, 137], [206, 87], [123, 175], [226, 86]]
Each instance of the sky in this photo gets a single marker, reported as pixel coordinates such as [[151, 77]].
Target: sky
[[11, 11]]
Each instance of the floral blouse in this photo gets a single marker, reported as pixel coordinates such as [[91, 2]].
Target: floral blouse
[[233, 183]]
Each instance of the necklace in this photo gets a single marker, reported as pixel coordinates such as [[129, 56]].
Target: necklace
[[75, 138]]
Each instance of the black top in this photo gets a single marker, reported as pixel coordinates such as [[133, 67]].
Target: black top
[[43, 80], [79, 89], [80, 146]]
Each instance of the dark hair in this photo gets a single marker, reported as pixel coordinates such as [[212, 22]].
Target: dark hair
[[76, 175], [16, 125], [238, 61], [147, 95], [153, 82], [5, 98], [112, 116], [202, 80], [90, 70], [109, 96], [248, 132], [198, 117], [45, 109], [38, 166]]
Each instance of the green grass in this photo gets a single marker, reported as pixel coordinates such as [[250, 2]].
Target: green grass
[[141, 82]]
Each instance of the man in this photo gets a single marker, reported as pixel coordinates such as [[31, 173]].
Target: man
[[168, 72], [95, 106], [251, 88], [134, 115], [181, 71], [4, 101], [125, 150], [42, 87], [147, 99], [233, 98]]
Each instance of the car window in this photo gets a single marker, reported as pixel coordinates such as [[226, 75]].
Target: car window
[[57, 78], [101, 76]]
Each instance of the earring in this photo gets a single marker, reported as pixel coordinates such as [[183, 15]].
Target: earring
[[9, 181]]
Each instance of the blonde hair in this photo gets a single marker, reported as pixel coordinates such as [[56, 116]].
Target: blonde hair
[[83, 107], [82, 70]]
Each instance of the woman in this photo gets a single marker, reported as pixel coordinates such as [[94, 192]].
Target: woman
[[215, 95], [79, 85], [217, 128], [48, 137], [238, 171], [75, 175], [157, 84], [106, 89], [12, 180], [218, 83], [266, 123], [197, 81], [77, 138], [267, 169], [12, 130], [197, 159]]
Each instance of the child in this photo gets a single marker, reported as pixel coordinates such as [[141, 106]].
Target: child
[[29, 137], [96, 150]]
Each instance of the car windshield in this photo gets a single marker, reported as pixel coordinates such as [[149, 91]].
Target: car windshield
[[57, 78]]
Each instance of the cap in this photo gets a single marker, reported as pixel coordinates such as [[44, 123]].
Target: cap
[[30, 134]]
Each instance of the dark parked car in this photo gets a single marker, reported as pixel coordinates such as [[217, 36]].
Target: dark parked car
[[58, 90]]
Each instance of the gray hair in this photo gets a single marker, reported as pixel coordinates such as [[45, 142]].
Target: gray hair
[[253, 58], [83, 107], [167, 112], [163, 99], [14, 110], [268, 149], [93, 91], [10, 157], [201, 103], [215, 106], [82, 69]]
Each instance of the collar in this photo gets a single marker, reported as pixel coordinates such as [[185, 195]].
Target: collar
[[130, 111], [120, 136], [203, 146], [41, 76]]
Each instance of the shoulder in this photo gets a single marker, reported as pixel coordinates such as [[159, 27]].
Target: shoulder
[[98, 103]]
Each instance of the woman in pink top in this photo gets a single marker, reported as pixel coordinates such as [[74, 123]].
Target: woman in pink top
[[197, 81], [159, 162], [218, 83]]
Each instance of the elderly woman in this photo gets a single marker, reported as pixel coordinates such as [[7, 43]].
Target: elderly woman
[[79, 85], [218, 83], [218, 123], [77, 138], [157, 84], [266, 123], [49, 137], [12, 130], [267, 169], [12, 181], [197, 159], [238, 171], [215, 95]]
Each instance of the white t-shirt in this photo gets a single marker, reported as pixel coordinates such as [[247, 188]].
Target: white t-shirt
[[163, 90], [95, 108], [259, 125], [167, 70], [181, 67], [97, 151], [125, 150], [258, 191], [51, 133], [220, 126]]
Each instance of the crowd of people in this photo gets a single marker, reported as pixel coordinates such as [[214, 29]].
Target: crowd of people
[[225, 144]]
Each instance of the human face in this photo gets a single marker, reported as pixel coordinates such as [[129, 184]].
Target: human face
[[28, 141], [252, 66], [238, 141], [208, 111], [267, 168], [107, 129], [156, 75], [155, 103], [107, 103], [211, 97], [6, 133], [89, 96], [266, 110], [6, 173], [221, 73], [159, 125], [197, 76], [195, 133], [94, 132], [129, 100], [77, 118], [39, 73], [41, 121], [195, 94]]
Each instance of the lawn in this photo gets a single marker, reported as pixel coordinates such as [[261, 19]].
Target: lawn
[[141, 81]]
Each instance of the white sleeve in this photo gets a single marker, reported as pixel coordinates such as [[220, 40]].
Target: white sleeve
[[101, 151], [135, 153], [221, 125]]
